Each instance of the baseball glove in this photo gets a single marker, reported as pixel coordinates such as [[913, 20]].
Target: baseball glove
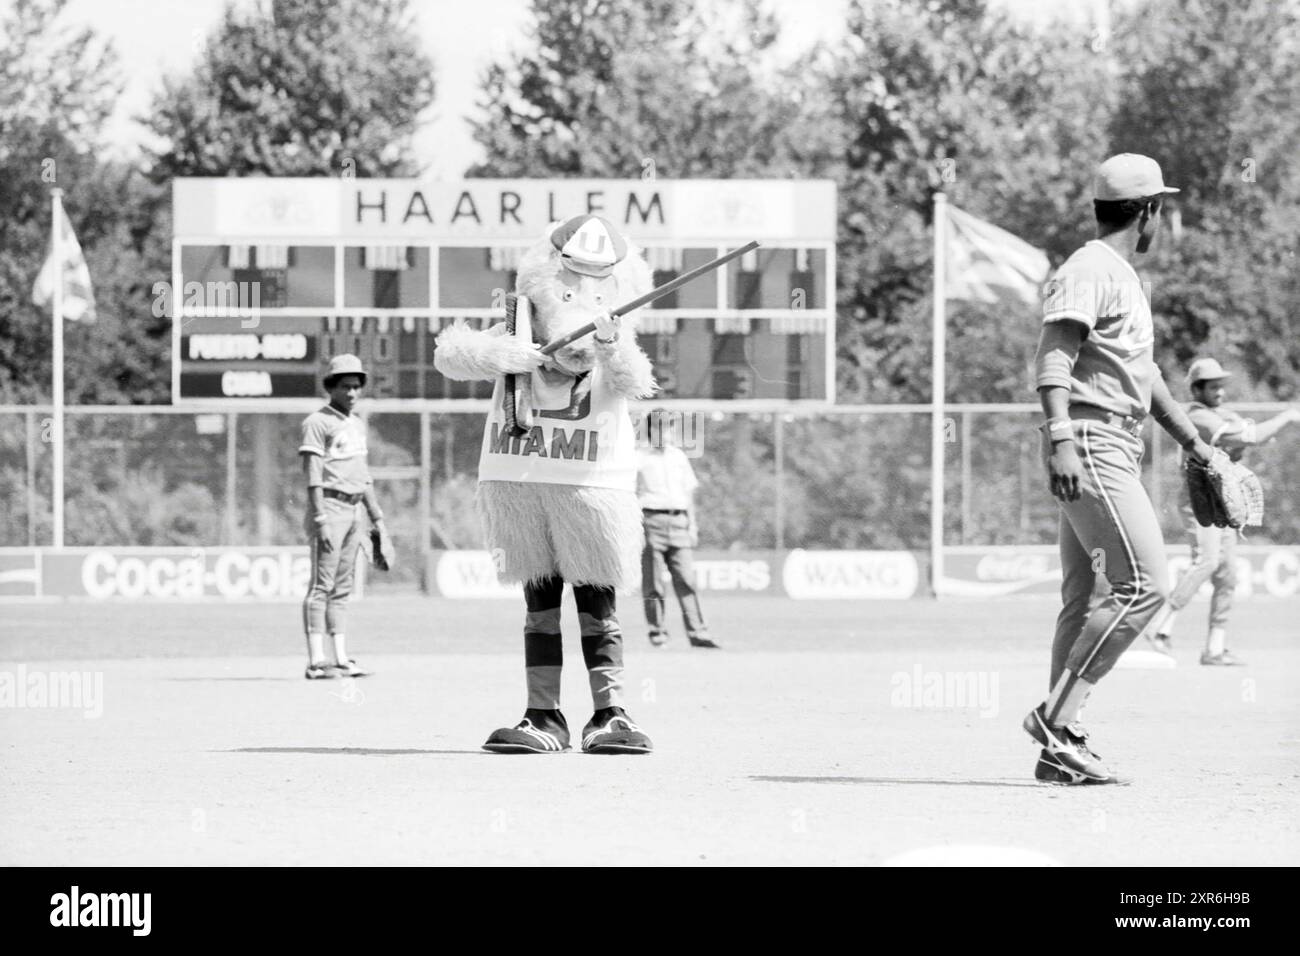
[[1224, 494], [382, 555]]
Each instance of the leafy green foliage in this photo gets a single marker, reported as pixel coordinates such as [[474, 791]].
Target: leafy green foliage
[[56, 88], [1210, 89], [661, 88], [315, 88]]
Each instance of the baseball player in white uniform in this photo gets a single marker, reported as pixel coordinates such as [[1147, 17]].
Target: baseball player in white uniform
[[333, 452], [1213, 557], [1097, 380]]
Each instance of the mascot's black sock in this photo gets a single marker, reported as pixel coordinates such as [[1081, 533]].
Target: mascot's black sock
[[602, 644], [543, 650]]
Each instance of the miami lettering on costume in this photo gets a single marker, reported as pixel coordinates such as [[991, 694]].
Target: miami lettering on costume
[[582, 436]]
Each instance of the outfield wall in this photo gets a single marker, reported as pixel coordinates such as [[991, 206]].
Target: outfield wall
[[281, 573], [976, 572]]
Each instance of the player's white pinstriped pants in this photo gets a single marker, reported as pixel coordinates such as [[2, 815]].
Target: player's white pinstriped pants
[[1213, 559], [1110, 529], [325, 606]]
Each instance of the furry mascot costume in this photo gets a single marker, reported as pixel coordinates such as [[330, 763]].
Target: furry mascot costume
[[559, 504]]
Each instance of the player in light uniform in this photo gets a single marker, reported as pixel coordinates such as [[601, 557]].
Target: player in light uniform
[[1097, 380], [333, 453], [1212, 548]]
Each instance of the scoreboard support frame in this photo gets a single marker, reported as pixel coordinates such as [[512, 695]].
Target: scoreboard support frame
[[204, 213]]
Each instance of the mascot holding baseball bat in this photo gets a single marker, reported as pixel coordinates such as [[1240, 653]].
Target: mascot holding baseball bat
[[557, 470]]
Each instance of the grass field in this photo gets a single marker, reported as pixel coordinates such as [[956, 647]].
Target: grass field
[[798, 744]]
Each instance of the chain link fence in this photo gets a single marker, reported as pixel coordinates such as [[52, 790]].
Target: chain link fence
[[832, 478]]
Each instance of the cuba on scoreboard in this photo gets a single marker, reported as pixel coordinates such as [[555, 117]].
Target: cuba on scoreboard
[[271, 277]]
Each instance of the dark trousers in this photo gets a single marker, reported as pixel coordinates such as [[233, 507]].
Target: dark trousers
[[667, 539]]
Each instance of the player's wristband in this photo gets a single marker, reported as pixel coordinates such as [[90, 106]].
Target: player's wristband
[[1060, 429], [376, 518]]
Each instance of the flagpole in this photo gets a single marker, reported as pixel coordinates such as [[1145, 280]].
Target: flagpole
[[56, 220], [937, 373]]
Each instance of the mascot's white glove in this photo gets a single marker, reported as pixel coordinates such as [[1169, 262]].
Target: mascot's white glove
[[606, 328], [516, 356]]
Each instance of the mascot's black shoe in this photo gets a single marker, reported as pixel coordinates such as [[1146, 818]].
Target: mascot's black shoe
[[540, 732], [611, 731]]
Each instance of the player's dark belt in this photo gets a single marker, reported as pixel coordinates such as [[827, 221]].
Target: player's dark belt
[[342, 496], [1123, 422], [664, 511]]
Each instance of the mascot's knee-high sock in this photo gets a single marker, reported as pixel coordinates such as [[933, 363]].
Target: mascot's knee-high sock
[[543, 649], [602, 644]]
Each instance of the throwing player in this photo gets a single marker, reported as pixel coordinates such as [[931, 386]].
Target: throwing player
[[1097, 379], [333, 453], [1212, 548]]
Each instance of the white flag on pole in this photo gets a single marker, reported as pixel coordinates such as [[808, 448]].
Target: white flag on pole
[[78, 298], [990, 265]]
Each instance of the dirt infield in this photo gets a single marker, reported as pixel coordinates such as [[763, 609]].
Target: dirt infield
[[841, 733]]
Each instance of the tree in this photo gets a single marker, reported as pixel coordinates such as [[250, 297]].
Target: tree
[[52, 76], [56, 88], [639, 89], [938, 94], [1210, 92], [306, 88]]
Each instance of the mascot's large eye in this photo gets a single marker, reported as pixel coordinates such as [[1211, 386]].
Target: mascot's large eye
[[568, 295]]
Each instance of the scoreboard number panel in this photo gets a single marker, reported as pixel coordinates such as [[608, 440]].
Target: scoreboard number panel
[[276, 276]]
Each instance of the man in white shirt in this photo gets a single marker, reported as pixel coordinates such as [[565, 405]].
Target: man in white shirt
[[665, 488]]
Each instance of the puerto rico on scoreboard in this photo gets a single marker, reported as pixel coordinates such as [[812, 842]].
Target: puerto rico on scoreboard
[[272, 277]]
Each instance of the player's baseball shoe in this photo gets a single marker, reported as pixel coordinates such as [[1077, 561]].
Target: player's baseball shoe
[[1224, 658], [321, 672], [1067, 746], [351, 668], [704, 640], [658, 638], [1050, 770], [611, 731], [540, 732]]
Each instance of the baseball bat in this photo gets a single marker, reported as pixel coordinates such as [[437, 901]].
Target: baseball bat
[[514, 413], [650, 296]]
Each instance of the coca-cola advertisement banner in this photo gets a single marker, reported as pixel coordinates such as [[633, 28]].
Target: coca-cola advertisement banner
[[166, 573], [1036, 569]]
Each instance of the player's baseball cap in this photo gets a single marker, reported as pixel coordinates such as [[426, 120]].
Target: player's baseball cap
[[589, 245], [345, 364], [1128, 176], [1205, 370]]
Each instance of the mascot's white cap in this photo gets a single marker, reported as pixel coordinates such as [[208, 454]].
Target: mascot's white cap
[[589, 245]]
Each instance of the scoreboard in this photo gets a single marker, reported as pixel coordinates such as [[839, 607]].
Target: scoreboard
[[272, 277]]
